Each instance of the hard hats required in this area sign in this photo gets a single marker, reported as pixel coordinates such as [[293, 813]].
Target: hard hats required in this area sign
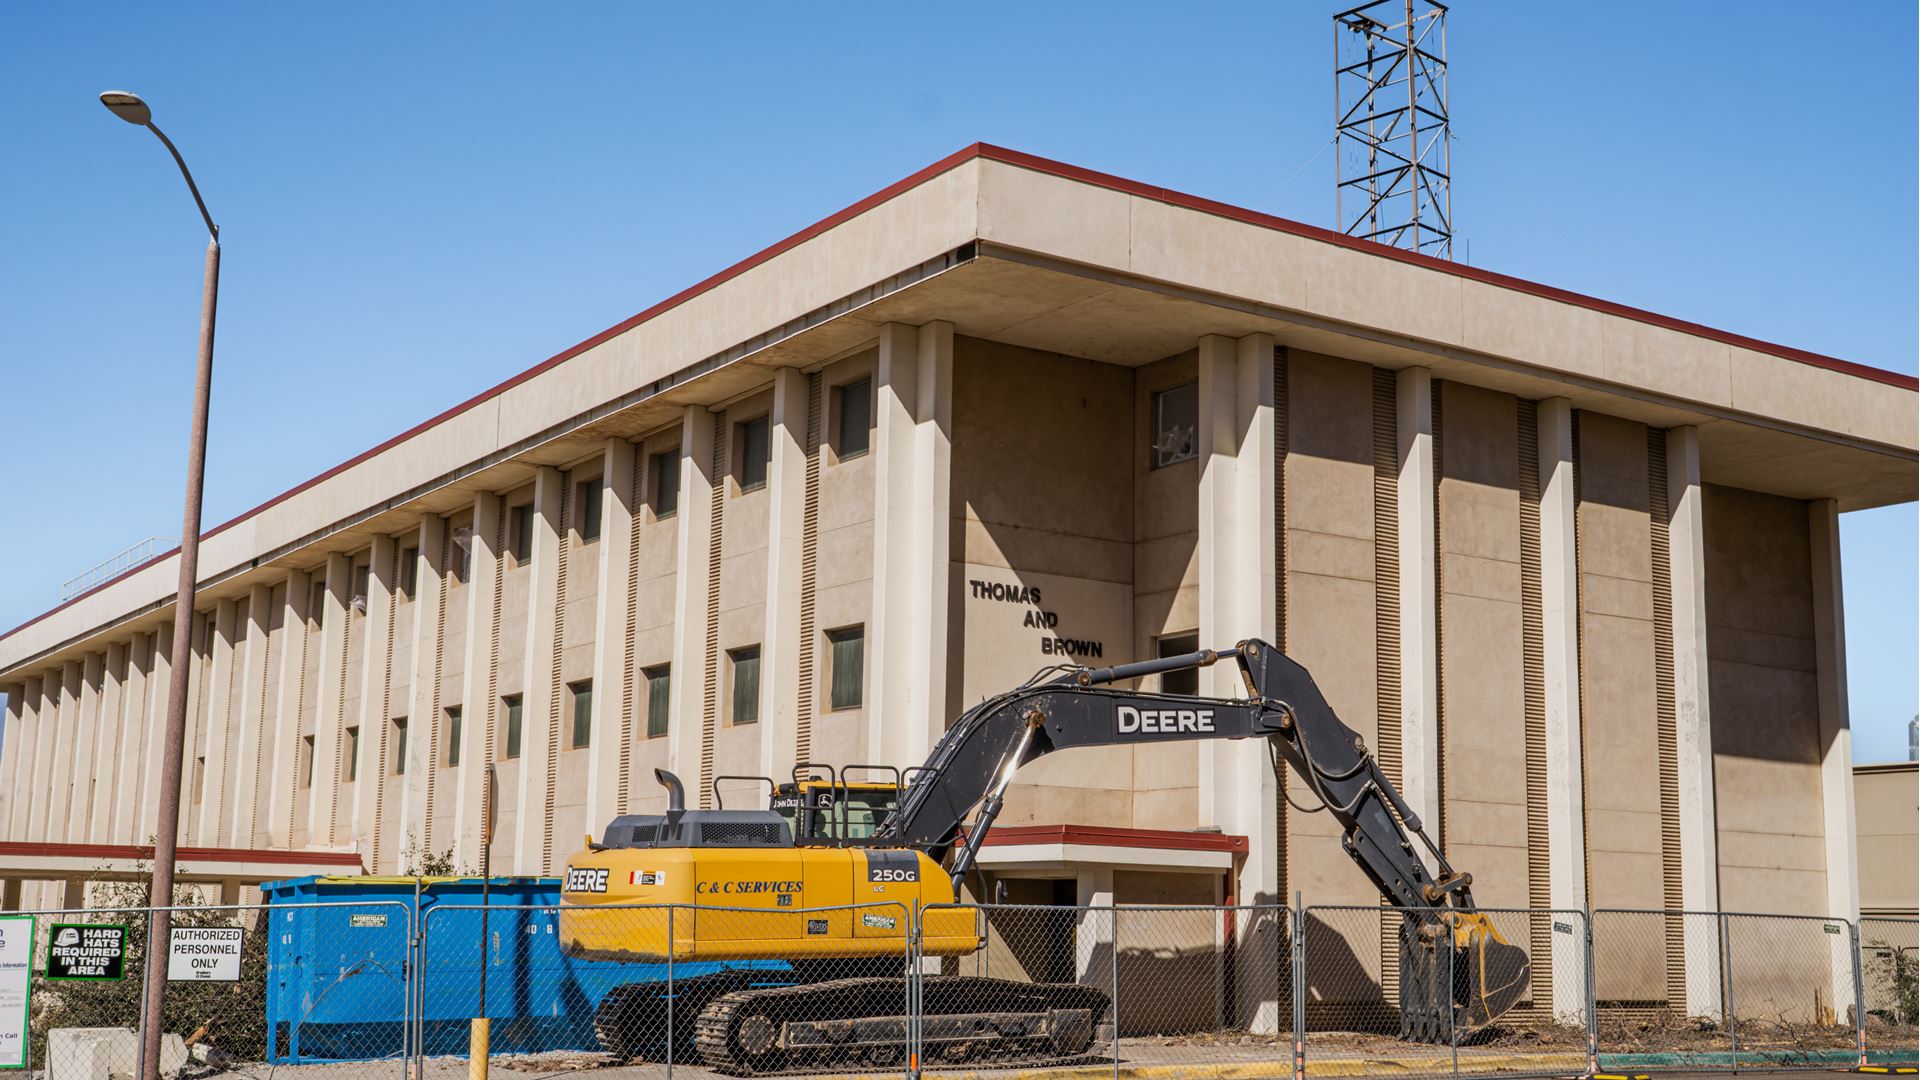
[[205, 954], [16, 981], [86, 951]]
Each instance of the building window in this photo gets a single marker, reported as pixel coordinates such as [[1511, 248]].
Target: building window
[[409, 571], [587, 496], [853, 411], [847, 655], [1186, 681], [659, 698], [462, 555], [746, 684], [453, 736], [317, 607], [665, 483], [362, 582], [582, 714], [399, 746], [520, 536], [306, 761], [1176, 424], [353, 755], [512, 704], [753, 454], [199, 778]]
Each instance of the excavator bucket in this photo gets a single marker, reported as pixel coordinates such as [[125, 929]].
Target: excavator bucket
[[1457, 975], [1490, 974]]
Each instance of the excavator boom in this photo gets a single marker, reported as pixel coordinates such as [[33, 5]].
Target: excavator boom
[[975, 761]]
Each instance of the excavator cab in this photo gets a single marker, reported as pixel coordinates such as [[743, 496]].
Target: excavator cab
[[832, 808]]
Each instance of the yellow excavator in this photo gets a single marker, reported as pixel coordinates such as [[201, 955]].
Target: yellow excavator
[[820, 978]]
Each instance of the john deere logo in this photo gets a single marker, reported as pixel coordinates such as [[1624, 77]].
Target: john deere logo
[[586, 879]]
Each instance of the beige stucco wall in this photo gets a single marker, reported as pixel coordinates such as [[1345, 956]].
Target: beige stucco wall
[[1330, 610], [1484, 757], [1042, 498], [1762, 686], [1886, 801], [1617, 668]]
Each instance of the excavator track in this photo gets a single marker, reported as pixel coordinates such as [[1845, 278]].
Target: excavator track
[[863, 1021]]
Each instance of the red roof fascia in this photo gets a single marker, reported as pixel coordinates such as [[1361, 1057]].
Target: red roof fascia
[[186, 854], [1099, 835], [1070, 172]]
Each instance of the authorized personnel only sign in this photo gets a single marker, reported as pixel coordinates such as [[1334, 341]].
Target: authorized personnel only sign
[[205, 954], [16, 980]]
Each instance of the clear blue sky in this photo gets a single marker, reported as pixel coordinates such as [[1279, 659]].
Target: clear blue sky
[[419, 201]]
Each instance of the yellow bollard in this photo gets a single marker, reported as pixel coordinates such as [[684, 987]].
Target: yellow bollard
[[477, 1048]]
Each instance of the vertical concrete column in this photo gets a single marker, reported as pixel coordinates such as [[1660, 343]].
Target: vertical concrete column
[[219, 711], [1095, 939], [1699, 856], [244, 811], [1419, 600], [1237, 600], [16, 754], [66, 705], [1836, 735], [138, 654], [327, 820], [86, 740], [423, 681], [154, 719], [376, 671], [46, 691], [694, 523], [613, 676], [539, 732], [906, 639], [786, 508], [478, 695], [9, 757], [1560, 669], [107, 745], [280, 786]]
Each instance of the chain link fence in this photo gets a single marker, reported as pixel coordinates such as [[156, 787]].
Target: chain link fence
[[1433, 991], [250, 989], [1037, 987], [1889, 977], [1720, 990], [358, 989], [652, 988]]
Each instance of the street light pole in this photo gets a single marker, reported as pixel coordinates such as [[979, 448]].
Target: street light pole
[[130, 108]]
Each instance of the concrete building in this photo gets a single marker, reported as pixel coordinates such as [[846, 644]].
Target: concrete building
[[1887, 807], [1571, 568]]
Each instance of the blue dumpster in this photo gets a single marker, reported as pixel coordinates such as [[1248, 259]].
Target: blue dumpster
[[337, 975]]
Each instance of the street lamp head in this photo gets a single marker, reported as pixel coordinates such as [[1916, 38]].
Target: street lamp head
[[127, 107]]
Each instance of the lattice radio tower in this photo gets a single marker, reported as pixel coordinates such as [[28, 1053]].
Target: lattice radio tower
[[1394, 155]]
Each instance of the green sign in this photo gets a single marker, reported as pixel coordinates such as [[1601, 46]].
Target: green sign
[[366, 920], [86, 951], [16, 984]]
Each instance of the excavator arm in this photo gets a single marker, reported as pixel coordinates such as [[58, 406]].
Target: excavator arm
[[1452, 958]]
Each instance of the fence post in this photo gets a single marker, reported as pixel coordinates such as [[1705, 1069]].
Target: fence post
[[914, 948], [673, 1032], [1113, 976], [1726, 979], [1299, 980], [1592, 986], [1453, 1017], [1859, 990]]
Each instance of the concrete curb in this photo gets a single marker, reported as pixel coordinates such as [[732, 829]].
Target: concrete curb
[[1567, 1064]]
